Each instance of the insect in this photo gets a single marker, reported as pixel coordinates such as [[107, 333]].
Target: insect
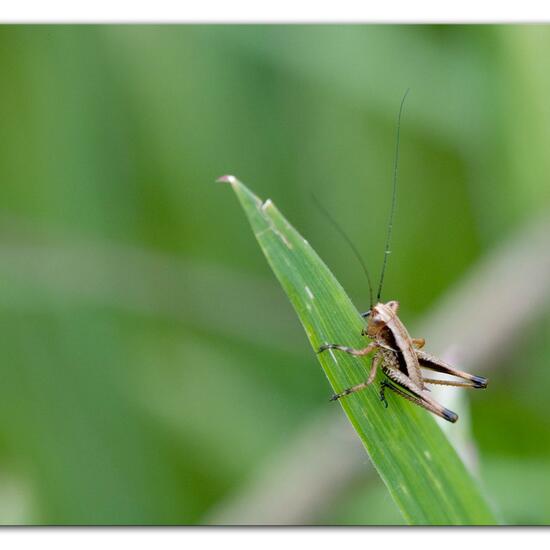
[[399, 356]]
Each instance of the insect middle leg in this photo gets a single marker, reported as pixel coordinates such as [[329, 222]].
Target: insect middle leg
[[375, 363], [418, 342]]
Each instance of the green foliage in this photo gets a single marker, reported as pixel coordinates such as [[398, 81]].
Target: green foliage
[[410, 452], [142, 335]]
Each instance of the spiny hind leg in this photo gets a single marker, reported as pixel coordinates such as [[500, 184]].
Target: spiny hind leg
[[430, 362], [456, 384], [386, 384], [357, 352], [375, 363], [425, 404]]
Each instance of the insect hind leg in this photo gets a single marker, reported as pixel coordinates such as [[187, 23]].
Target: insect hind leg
[[444, 413], [456, 384], [430, 362]]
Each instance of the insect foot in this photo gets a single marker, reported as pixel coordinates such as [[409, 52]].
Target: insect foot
[[324, 347], [352, 351], [337, 396], [347, 349]]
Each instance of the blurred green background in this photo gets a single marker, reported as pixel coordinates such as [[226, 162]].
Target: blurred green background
[[150, 365]]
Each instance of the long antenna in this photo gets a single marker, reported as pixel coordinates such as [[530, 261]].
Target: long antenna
[[348, 240], [387, 251]]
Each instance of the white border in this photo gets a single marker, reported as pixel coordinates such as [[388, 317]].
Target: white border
[[267, 538], [248, 11], [240, 11]]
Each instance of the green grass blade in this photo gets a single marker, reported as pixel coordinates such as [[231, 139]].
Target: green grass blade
[[422, 471]]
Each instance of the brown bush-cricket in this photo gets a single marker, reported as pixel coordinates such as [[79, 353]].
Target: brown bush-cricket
[[398, 355]]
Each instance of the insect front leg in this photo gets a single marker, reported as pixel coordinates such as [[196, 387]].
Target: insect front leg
[[375, 363], [357, 352]]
